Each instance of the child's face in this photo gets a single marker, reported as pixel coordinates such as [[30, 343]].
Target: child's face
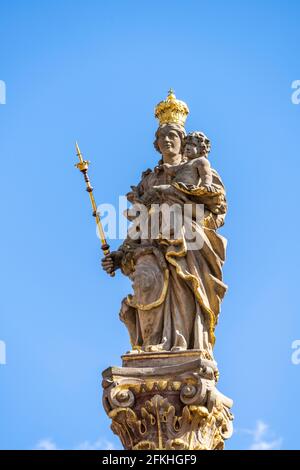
[[191, 149]]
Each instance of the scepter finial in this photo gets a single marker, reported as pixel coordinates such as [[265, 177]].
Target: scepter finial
[[78, 152], [83, 164]]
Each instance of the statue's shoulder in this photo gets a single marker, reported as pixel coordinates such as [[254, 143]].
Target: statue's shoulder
[[146, 173], [145, 181]]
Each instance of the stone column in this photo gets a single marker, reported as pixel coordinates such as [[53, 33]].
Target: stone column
[[167, 401]]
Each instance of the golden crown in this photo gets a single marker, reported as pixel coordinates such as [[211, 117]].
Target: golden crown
[[171, 110]]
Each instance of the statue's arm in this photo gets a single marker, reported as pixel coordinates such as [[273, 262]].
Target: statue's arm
[[204, 171], [111, 262], [213, 198]]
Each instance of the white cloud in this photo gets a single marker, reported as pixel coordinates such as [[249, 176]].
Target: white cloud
[[46, 444], [99, 444], [262, 437], [266, 445]]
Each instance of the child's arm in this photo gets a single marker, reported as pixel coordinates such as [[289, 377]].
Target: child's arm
[[204, 170]]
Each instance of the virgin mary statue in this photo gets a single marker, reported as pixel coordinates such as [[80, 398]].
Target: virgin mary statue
[[177, 286]]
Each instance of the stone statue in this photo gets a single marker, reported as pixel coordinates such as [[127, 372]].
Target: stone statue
[[177, 293]]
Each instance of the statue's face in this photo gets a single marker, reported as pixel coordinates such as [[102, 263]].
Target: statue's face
[[169, 143], [191, 149]]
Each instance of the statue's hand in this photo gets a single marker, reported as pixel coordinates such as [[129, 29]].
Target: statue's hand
[[165, 190], [208, 190], [133, 196], [112, 261], [169, 193], [162, 187]]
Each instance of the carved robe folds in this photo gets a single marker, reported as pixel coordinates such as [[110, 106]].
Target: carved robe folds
[[177, 291]]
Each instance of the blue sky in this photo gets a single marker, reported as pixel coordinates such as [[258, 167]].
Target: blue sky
[[93, 71]]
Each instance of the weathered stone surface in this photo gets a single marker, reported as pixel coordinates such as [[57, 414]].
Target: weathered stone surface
[[177, 284], [165, 396], [167, 406]]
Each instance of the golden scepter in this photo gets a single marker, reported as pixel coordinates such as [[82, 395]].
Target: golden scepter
[[83, 166]]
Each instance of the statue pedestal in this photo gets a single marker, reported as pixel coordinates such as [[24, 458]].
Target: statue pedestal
[[167, 401]]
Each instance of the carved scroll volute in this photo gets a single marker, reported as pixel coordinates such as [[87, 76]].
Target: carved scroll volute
[[121, 397]]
